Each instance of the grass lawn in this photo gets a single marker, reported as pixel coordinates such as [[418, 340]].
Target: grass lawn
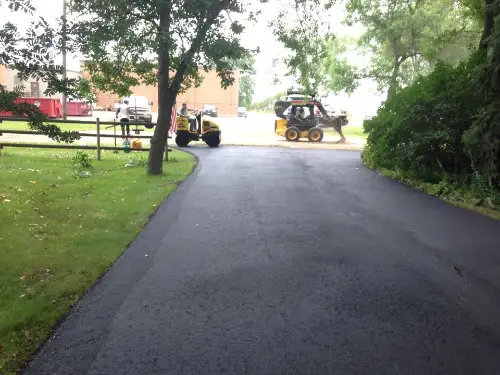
[[59, 233], [349, 131], [19, 125]]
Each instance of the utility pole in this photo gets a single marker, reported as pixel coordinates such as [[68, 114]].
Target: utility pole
[[64, 97]]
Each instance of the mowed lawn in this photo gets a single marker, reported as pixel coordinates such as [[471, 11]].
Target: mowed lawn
[[61, 228], [349, 131], [21, 125]]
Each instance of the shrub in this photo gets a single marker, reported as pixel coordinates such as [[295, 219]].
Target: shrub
[[82, 160], [419, 131], [135, 161]]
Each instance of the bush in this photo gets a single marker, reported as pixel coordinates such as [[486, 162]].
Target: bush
[[82, 160], [135, 162], [420, 130], [483, 138]]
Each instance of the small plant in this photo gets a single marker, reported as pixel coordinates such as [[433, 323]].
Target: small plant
[[80, 173], [173, 159], [82, 160], [135, 161]]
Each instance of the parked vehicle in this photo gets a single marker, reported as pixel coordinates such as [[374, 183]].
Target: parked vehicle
[[242, 112], [140, 110], [194, 128], [209, 110]]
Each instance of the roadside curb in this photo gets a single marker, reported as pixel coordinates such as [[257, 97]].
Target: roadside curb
[[307, 146]]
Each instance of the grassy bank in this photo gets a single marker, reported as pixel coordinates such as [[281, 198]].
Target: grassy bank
[[61, 227], [462, 196]]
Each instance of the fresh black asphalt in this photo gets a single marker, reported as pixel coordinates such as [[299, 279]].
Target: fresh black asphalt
[[291, 261]]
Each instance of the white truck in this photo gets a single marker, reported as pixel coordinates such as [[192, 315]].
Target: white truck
[[140, 110]]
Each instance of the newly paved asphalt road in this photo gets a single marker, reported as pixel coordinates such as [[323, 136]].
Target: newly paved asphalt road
[[273, 261]]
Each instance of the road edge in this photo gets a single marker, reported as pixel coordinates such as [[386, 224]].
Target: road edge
[[111, 266]]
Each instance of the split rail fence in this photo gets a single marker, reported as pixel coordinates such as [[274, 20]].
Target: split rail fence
[[98, 135]]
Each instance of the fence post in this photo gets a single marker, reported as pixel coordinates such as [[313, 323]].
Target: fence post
[[98, 124]]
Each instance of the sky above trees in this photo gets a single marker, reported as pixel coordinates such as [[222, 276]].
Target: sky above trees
[[267, 64]]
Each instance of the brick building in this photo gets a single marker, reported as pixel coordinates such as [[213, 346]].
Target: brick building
[[3, 78], [32, 88], [209, 92]]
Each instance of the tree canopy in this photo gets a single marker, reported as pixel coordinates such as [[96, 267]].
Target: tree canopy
[[438, 63], [400, 39], [247, 83], [160, 42], [33, 53]]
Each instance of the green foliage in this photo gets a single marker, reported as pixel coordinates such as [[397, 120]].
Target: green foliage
[[32, 54], [339, 74], [305, 36], [483, 138], [246, 82], [59, 234], [402, 40], [127, 41], [267, 105], [407, 39], [82, 160], [37, 121], [136, 161], [420, 129], [473, 9], [441, 128], [442, 133], [163, 43], [246, 91]]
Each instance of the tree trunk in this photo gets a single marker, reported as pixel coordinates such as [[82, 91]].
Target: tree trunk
[[489, 22], [393, 83], [165, 97], [159, 139]]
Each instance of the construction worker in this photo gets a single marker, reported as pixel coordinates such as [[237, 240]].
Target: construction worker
[[184, 111], [123, 114]]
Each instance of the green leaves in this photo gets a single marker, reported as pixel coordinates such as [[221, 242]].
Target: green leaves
[[33, 55], [404, 39], [339, 74], [246, 91], [305, 40], [124, 41], [420, 130], [408, 38]]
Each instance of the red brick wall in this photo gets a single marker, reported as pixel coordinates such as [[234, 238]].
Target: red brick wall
[[210, 92], [3, 78]]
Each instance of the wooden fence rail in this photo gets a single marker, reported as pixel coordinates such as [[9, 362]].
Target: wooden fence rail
[[98, 135]]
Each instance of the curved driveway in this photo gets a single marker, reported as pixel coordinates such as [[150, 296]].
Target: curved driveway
[[280, 261]]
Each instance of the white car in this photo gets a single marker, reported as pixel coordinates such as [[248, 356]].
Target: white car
[[242, 112]]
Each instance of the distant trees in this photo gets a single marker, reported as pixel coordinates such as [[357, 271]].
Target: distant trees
[[267, 104]]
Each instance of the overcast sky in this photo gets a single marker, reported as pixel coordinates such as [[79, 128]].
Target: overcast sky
[[258, 34]]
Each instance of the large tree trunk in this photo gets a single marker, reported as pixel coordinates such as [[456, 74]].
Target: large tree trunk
[[159, 139], [393, 83], [490, 11], [165, 97]]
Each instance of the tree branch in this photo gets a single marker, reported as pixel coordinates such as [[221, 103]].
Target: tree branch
[[196, 45]]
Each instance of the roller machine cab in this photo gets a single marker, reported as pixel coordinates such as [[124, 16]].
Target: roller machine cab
[[283, 103], [196, 127]]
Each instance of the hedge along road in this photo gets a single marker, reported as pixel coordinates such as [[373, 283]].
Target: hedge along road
[[279, 261]]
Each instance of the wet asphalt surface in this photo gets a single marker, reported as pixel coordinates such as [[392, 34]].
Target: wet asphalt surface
[[281, 261]]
